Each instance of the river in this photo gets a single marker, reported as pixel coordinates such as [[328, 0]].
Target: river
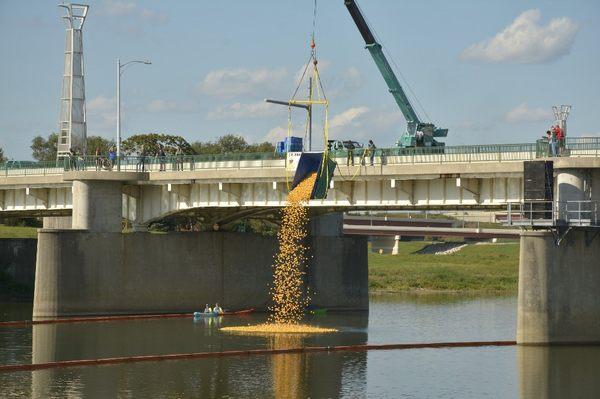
[[487, 372]]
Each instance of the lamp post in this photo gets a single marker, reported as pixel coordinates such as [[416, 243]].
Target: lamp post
[[119, 73]]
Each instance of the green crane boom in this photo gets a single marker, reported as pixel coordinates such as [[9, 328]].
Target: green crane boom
[[417, 132]]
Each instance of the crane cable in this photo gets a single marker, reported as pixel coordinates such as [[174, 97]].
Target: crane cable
[[316, 96]]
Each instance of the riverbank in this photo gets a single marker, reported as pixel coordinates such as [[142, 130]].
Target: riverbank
[[488, 268], [17, 231]]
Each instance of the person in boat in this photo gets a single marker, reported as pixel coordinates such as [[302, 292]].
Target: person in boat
[[207, 309], [217, 309]]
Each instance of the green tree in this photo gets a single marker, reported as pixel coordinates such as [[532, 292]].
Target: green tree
[[230, 144], [101, 143], [261, 147], [44, 149], [2, 157], [206, 148], [152, 142]]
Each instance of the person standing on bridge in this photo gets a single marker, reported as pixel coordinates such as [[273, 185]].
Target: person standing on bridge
[[112, 157], [551, 137], [560, 139], [178, 158], [161, 159], [98, 159], [350, 157], [141, 164], [371, 150]]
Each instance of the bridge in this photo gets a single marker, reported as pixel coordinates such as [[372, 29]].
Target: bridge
[[223, 188], [86, 265]]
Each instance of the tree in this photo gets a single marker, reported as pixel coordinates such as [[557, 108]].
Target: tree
[[261, 147], [2, 157], [230, 144], [101, 143], [44, 149], [152, 141]]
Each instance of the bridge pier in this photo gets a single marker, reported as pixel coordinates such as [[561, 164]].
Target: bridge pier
[[57, 222], [83, 272], [558, 288]]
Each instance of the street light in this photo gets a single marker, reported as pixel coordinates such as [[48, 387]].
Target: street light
[[119, 73]]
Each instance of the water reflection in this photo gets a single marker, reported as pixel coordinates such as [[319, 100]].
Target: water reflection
[[286, 375], [559, 371]]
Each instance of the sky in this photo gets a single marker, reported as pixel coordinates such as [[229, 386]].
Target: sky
[[489, 71]]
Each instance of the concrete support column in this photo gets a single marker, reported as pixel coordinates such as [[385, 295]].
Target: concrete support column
[[396, 244], [571, 185], [97, 205], [558, 288], [330, 225], [337, 274], [58, 222]]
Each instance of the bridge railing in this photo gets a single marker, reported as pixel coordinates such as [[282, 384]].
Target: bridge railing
[[574, 146], [553, 213]]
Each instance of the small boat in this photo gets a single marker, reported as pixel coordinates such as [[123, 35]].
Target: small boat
[[225, 313], [318, 311]]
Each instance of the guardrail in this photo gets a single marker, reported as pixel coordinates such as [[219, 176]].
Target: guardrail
[[574, 147], [553, 213]]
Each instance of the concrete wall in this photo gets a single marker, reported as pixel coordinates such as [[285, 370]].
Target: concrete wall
[[17, 261], [84, 273], [58, 222], [97, 205], [559, 288]]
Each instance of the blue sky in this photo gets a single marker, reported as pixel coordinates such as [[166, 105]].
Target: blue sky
[[488, 71]]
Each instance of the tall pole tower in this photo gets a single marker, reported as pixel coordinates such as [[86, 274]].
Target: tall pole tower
[[72, 125]]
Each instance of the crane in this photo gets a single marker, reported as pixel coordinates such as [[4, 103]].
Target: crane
[[418, 133]]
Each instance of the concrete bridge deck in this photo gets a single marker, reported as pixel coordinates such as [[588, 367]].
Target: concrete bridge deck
[[148, 196]]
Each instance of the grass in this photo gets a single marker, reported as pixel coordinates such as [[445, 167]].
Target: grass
[[17, 232], [477, 269]]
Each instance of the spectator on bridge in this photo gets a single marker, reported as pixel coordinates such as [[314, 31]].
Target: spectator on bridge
[[141, 164], [178, 158], [371, 151], [72, 155], [560, 139], [161, 159], [98, 159], [112, 157], [551, 137], [350, 157]]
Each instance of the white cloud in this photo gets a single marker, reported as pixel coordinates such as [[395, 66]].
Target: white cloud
[[525, 41], [388, 119], [100, 103], [101, 114], [154, 17], [348, 117], [238, 110], [525, 113], [129, 8], [278, 133], [234, 82], [119, 7], [161, 105]]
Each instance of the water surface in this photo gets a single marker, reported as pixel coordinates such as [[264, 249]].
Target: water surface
[[501, 372]]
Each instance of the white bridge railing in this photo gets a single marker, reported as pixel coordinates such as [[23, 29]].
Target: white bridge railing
[[553, 213]]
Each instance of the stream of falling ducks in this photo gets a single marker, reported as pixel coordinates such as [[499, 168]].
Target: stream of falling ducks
[[287, 293]]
